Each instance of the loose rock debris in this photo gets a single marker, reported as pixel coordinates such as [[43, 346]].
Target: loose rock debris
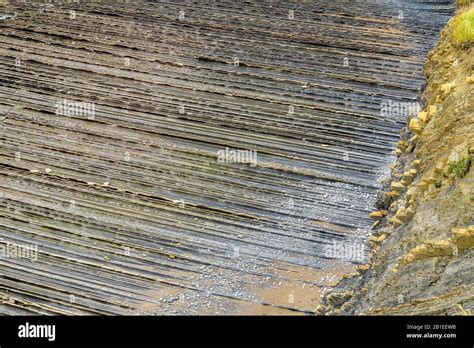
[[171, 85]]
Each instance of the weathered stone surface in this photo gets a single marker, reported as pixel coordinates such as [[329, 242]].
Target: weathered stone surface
[[423, 117], [428, 249], [378, 239], [377, 215], [463, 238], [446, 88], [415, 126], [397, 186], [416, 164]]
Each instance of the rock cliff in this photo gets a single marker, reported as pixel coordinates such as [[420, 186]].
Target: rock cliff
[[422, 245]]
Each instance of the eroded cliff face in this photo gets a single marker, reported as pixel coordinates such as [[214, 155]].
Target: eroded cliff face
[[423, 237]]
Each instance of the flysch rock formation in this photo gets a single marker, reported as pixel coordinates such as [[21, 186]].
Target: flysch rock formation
[[113, 114]]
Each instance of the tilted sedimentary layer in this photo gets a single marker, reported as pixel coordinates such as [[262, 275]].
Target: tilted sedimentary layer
[[113, 114]]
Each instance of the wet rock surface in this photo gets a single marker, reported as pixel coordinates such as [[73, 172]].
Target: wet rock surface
[[113, 119]]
